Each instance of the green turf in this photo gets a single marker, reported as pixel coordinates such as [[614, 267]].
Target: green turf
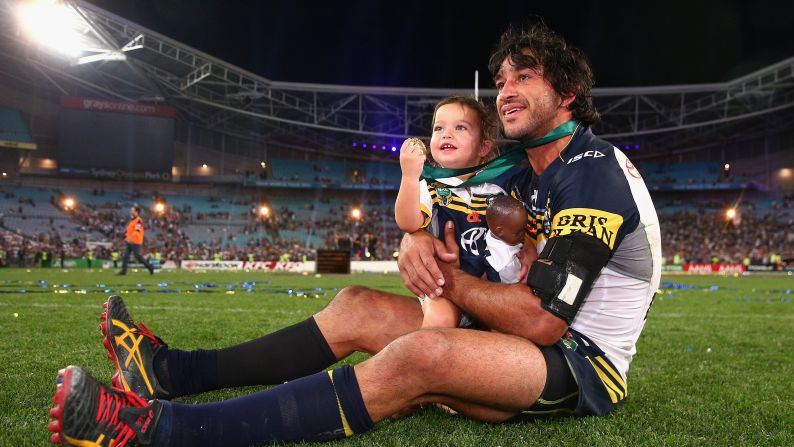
[[739, 393]]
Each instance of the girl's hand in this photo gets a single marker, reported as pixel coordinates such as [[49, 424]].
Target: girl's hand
[[412, 158]]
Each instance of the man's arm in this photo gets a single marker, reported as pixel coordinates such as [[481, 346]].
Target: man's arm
[[526, 257], [507, 308]]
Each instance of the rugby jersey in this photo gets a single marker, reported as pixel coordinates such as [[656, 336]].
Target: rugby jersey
[[441, 201], [594, 188]]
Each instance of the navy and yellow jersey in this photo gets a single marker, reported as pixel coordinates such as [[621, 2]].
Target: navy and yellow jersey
[[441, 202], [593, 188]]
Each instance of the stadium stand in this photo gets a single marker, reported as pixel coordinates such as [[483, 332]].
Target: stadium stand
[[13, 127], [226, 222], [701, 232], [34, 219], [311, 166]]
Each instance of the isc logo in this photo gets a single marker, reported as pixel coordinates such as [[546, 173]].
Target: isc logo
[[594, 154]]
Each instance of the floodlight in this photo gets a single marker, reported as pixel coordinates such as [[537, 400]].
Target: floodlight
[[60, 27], [54, 25]]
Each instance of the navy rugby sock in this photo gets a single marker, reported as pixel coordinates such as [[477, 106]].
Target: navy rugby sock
[[289, 353], [186, 372], [320, 407]]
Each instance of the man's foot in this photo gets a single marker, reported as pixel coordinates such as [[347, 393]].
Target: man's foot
[[132, 348], [121, 273], [87, 412]]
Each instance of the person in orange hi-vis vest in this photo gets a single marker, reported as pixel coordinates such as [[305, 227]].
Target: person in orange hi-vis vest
[[134, 241]]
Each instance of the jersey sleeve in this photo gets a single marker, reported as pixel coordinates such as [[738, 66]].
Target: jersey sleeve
[[425, 203], [593, 196]]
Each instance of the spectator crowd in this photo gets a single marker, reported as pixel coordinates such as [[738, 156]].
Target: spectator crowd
[[699, 234]]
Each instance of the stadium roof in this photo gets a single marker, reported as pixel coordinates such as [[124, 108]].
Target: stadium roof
[[130, 62]]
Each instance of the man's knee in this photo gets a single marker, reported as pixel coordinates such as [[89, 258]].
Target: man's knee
[[359, 304], [351, 300], [351, 294], [424, 353], [367, 320]]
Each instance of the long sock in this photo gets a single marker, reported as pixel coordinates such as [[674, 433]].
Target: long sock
[[186, 372], [292, 352], [323, 406]]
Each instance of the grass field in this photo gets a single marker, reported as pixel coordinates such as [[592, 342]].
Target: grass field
[[714, 365]]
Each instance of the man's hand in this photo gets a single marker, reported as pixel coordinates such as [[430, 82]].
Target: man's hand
[[448, 250], [419, 252], [527, 255]]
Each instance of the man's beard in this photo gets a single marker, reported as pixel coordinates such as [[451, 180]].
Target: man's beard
[[538, 124]]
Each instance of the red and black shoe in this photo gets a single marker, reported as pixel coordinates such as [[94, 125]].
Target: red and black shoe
[[132, 348], [87, 412]]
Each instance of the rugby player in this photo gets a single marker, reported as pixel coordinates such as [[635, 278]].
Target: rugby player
[[559, 344]]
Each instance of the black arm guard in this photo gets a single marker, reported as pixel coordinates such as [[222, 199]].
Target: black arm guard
[[565, 271]]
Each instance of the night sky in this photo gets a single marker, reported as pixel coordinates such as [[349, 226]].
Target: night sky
[[441, 43]]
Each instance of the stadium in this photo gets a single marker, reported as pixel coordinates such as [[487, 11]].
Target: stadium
[[262, 199]]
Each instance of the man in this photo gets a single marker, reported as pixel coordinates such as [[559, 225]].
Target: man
[[134, 241], [559, 347]]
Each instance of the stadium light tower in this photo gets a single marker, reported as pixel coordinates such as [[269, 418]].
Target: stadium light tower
[[59, 26]]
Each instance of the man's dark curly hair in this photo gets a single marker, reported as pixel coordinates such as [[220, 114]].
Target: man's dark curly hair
[[563, 65]]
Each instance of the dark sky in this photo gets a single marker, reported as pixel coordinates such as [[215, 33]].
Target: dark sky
[[441, 43]]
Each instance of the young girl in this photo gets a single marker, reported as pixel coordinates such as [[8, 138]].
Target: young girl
[[463, 137]]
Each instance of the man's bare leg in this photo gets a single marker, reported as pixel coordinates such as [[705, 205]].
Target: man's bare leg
[[366, 320], [357, 319], [484, 375]]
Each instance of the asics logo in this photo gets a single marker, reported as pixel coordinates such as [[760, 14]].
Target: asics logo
[[130, 340], [87, 443]]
